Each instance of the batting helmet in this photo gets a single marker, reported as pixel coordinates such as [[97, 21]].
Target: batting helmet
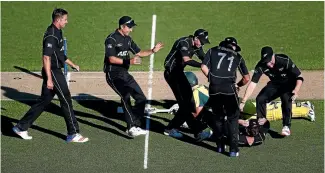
[[191, 77]]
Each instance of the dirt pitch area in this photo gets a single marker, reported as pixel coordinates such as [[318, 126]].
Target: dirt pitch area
[[92, 85]]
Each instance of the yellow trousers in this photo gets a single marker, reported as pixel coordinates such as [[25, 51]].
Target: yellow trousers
[[274, 112]]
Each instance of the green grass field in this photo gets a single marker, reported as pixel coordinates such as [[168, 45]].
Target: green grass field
[[110, 150], [294, 28]]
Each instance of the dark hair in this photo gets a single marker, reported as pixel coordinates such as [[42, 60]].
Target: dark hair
[[58, 13], [252, 130]]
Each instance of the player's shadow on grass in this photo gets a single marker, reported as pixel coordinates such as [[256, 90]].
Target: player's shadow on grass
[[108, 109], [275, 134], [7, 125], [55, 109], [188, 139], [165, 104], [28, 72]]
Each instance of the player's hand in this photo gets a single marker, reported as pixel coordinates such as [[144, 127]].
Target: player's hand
[[237, 88], [135, 60], [75, 68], [194, 114], [158, 47], [294, 95], [261, 121], [241, 106], [49, 84], [244, 123]]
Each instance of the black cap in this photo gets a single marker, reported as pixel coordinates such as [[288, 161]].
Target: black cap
[[266, 54], [126, 20], [232, 41], [202, 35]]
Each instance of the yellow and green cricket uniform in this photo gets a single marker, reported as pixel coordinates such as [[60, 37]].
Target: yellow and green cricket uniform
[[274, 112], [201, 95]]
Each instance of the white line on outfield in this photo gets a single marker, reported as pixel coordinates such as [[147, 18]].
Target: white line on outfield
[[74, 97], [146, 145], [90, 72], [99, 77]]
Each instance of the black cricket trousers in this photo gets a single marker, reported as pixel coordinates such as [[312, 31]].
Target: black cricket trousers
[[61, 89], [125, 86], [183, 93], [224, 103], [272, 91]]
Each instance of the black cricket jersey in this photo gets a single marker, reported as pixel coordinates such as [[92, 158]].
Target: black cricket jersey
[[119, 46], [53, 46], [223, 63], [284, 70], [182, 47]]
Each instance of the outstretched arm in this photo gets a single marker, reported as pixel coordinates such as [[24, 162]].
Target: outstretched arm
[[249, 90], [155, 49], [188, 61]]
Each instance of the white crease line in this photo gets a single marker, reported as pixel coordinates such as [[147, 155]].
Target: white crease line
[[146, 146]]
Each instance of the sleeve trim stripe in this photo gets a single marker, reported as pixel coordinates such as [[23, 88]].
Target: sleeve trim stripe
[[209, 57], [51, 36], [111, 38], [261, 69]]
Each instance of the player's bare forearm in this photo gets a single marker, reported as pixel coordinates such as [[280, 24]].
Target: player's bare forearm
[[243, 122], [144, 53], [70, 63], [198, 110], [243, 81], [249, 91], [205, 70], [135, 60], [115, 60], [47, 66], [155, 49]]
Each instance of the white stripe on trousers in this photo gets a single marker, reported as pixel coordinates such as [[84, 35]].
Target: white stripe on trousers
[[60, 91], [235, 96]]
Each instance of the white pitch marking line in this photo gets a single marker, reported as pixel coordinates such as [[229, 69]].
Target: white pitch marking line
[[74, 97], [146, 146], [80, 72]]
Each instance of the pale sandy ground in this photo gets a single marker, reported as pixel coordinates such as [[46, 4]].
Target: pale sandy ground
[[92, 85]]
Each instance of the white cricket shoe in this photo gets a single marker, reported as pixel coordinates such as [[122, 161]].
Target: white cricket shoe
[[136, 131], [185, 126], [311, 113], [285, 131], [78, 138], [22, 134]]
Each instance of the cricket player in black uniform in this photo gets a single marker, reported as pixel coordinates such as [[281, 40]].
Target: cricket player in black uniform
[[285, 82], [54, 81], [220, 65], [116, 64], [179, 56]]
